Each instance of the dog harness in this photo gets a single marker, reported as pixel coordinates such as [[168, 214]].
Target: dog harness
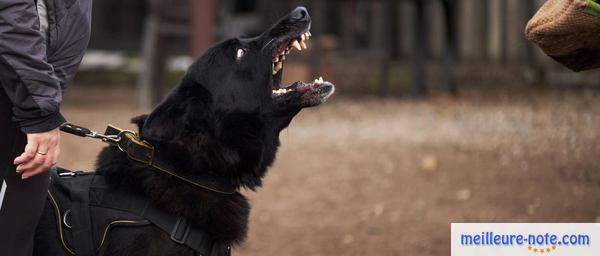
[[86, 209]]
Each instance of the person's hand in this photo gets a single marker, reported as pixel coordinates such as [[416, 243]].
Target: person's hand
[[40, 154]]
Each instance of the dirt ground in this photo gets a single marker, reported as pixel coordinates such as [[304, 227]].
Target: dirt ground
[[387, 177]]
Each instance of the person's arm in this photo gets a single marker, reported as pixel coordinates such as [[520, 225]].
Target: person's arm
[[30, 83]]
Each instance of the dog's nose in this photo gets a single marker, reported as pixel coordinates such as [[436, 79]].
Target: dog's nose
[[300, 13]]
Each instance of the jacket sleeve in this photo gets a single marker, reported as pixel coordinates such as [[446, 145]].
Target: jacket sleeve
[[25, 74]]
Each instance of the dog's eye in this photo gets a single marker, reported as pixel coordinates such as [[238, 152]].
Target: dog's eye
[[239, 53]]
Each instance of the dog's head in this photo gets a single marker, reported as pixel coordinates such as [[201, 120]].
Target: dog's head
[[229, 108]]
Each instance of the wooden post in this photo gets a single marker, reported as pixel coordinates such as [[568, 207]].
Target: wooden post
[[450, 58], [390, 20], [528, 12], [484, 32], [394, 29], [378, 29], [471, 46], [151, 79], [503, 32], [419, 87], [347, 26], [497, 34], [515, 25], [202, 25], [407, 17]]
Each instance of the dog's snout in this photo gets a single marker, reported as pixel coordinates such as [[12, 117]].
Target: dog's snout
[[300, 13]]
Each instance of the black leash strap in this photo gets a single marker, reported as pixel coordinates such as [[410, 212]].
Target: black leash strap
[[143, 152], [85, 132]]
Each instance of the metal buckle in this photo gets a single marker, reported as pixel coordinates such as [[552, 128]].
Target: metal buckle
[[67, 219], [85, 132], [135, 139], [106, 138], [120, 136], [180, 224], [67, 174]]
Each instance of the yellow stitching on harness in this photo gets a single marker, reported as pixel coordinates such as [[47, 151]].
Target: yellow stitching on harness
[[192, 182], [114, 223], [58, 218], [58, 223]]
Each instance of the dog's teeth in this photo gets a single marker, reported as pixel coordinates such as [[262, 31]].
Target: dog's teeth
[[296, 45], [309, 34], [302, 37], [279, 65], [281, 91], [282, 57], [303, 45], [276, 59]]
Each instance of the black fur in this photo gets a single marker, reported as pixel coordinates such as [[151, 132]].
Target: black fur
[[221, 120]]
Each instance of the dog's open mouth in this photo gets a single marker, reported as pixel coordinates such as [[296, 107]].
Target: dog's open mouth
[[312, 93]]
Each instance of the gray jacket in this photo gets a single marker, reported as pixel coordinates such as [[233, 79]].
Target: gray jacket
[[35, 66]]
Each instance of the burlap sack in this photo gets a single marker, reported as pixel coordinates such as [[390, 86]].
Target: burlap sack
[[569, 32]]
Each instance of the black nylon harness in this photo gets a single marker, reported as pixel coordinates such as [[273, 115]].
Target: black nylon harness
[[84, 204], [86, 208]]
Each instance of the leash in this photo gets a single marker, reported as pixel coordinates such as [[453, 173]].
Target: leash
[[141, 151]]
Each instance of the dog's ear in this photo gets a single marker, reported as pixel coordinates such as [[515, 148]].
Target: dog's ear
[[184, 111], [164, 123], [139, 121]]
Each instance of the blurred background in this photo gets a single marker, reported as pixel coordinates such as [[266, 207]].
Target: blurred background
[[443, 113]]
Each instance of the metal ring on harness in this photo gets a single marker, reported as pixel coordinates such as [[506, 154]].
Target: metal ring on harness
[[67, 224], [124, 133]]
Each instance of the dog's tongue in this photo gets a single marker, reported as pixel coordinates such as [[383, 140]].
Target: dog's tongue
[[306, 87]]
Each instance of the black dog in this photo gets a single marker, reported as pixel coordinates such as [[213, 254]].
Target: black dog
[[222, 121]]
